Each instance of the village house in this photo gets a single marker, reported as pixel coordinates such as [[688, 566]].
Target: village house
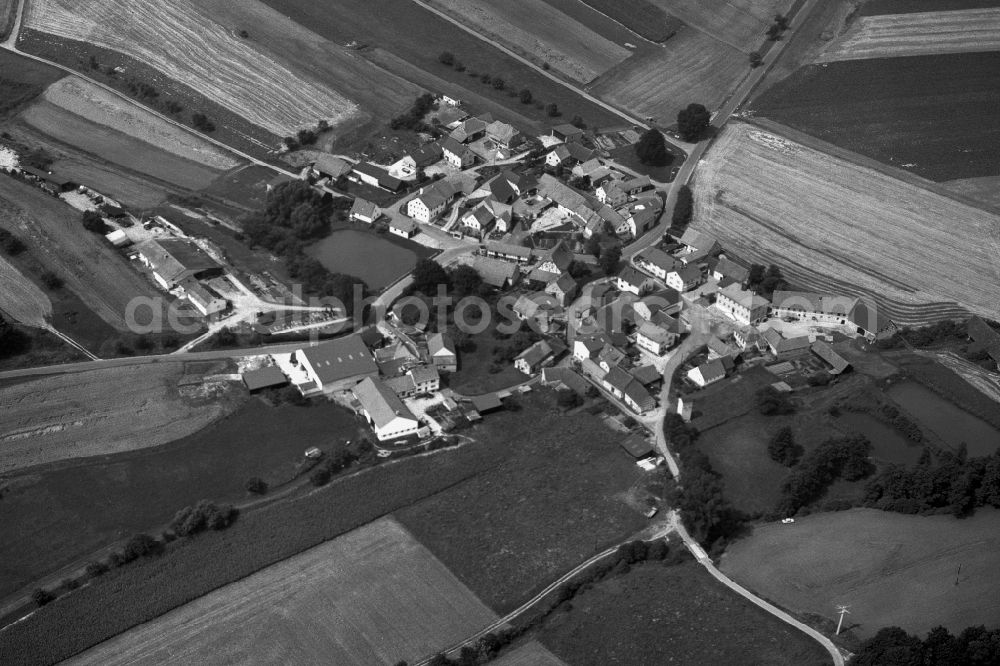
[[710, 372], [508, 252], [539, 307], [417, 380], [786, 348], [502, 134], [656, 262], [555, 261], [567, 133], [748, 337], [441, 351], [632, 281], [587, 347], [637, 397], [642, 218], [431, 201], [592, 169], [838, 364], [556, 156], [611, 356], [376, 176], [496, 273], [470, 130], [206, 301], [365, 211], [811, 306], [727, 269], [647, 375], [424, 156], [717, 348], [403, 227], [667, 301], [534, 357], [563, 289], [612, 194], [456, 153], [502, 190], [744, 306], [522, 183], [479, 220], [174, 260], [384, 411], [336, 365], [634, 186], [566, 378], [684, 279], [654, 339], [695, 241]]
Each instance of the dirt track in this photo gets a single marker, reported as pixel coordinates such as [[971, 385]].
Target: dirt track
[[925, 33]]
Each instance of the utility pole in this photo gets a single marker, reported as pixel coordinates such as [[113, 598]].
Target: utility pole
[[958, 573], [843, 611]]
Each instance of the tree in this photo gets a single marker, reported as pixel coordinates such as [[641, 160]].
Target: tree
[[756, 59], [499, 83], [783, 449], [609, 260], [320, 477], [525, 96], [465, 281], [141, 545], [202, 123], [891, 646], [447, 58], [578, 123], [11, 244], [772, 281], [692, 122], [256, 485], [683, 208], [427, 275], [93, 222], [95, 569], [568, 399], [552, 110], [755, 275], [652, 149], [593, 245], [41, 596], [772, 402]]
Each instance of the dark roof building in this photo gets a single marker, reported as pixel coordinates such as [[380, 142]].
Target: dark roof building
[[270, 376]]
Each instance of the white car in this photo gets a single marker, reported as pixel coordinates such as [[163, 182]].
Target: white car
[[787, 521]]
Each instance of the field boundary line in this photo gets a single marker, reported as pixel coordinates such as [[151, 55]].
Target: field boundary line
[[73, 343]]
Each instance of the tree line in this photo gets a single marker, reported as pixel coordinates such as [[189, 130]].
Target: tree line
[[525, 95], [892, 646]]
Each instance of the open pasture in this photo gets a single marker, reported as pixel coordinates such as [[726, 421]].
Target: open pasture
[[739, 23], [926, 33], [878, 7], [90, 267], [97, 412], [529, 654], [84, 99], [109, 145], [914, 572], [21, 298], [406, 39], [642, 17], [900, 111], [542, 33], [371, 596], [779, 201], [675, 614], [182, 41], [691, 67]]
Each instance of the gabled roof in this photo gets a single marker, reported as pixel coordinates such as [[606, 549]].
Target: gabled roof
[[712, 370], [486, 402], [536, 353], [426, 154], [823, 349], [648, 329], [567, 377], [663, 298], [501, 131], [831, 304], [522, 181], [873, 320], [450, 145], [558, 255], [729, 268], [363, 207], [340, 358], [502, 190], [667, 323], [638, 394], [612, 190], [646, 374], [440, 344], [640, 183], [611, 355], [529, 305], [631, 275], [747, 299], [687, 274], [567, 129], [468, 128], [380, 403], [564, 284], [508, 249], [609, 214], [780, 344], [637, 446], [549, 186], [495, 272], [424, 373], [561, 152], [331, 165], [579, 153], [718, 346], [618, 378], [175, 259], [264, 377], [593, 344], [698, 240], [403, 224]]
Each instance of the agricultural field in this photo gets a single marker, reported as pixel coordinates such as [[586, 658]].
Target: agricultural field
[[915, 572], [984, 190], [555, 494], [371, 596], [541, 33], [8, 13], [883, 108], [22, 80], [691, 67], [927, 33], [878, 7], [406, 39], [87, 505], [98, 412], [91, 269], [21, 298], [529, 654], [740, 23], [184, 43], [657, 614], [644, 18], [846, 226]]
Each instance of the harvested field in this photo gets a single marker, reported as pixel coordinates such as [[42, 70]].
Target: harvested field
[[900, 111], [22, 80], [97, 413], [183, 42], [371, 596], [406, 39], [115, 147], [93, 270], [99, 106], [777, 201], [673, 614], [877, 7], [529, 654], [642, 17], [892, 569], [691, 67], [985, 189], [739, 23], [542, 33], [21, 298], [8, 13], [927, 33]]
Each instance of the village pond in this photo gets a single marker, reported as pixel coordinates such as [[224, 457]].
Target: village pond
[[376, 260], [948, 421]]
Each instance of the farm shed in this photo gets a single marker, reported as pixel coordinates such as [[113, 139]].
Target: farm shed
[[637, 446], [339, 364], [174, 260], [486, 403], [263, 378], [837, 363], [385, 412]]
